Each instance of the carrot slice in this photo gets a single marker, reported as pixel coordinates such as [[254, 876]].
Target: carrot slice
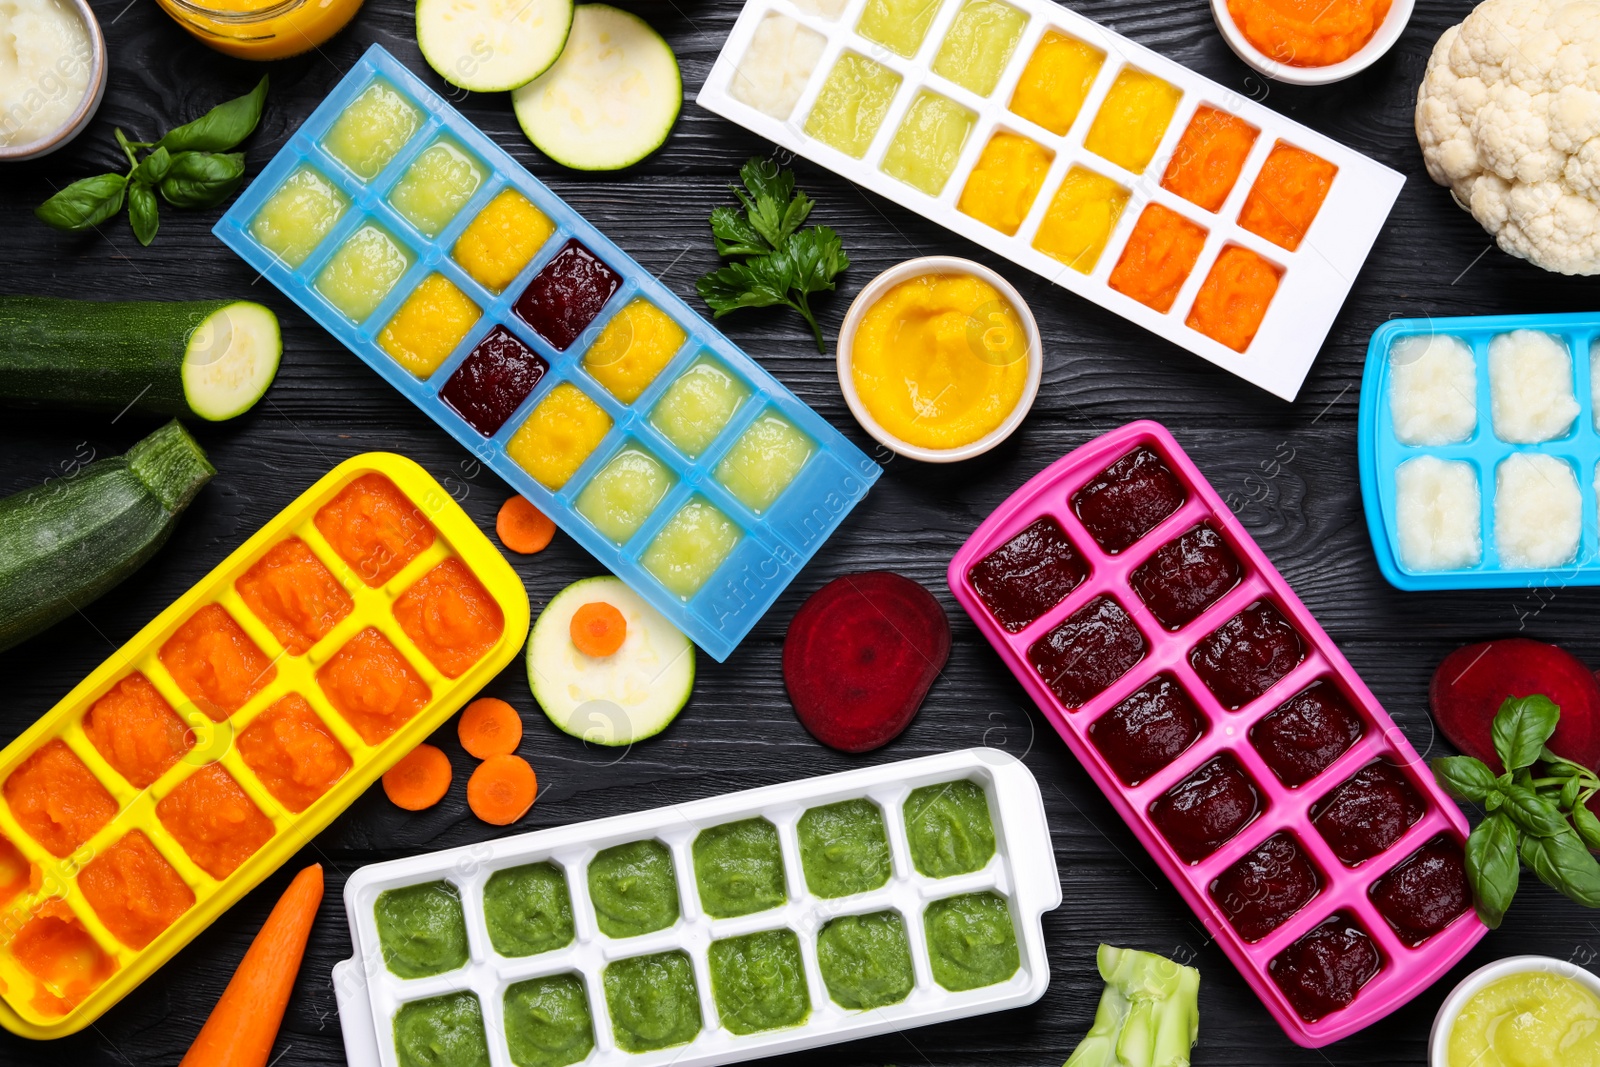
[[244, 1024], [523, 528], [490, 727], [502, 789], [598, 629], [420, 780]]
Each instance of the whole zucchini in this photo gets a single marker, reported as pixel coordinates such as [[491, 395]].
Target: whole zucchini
[[65, 542]]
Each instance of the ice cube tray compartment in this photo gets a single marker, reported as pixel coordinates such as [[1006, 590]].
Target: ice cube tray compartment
[[1022, 871], [1405, 971], [1314, 279], [1381, 453], [774, 543]]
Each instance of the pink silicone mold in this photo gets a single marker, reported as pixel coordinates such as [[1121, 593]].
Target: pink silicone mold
[[1404, 971]]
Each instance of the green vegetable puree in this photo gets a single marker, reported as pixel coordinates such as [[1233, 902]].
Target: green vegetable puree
[[633, 889], [866, 960], [421, 929], [843, 848], [949, 829], [738, 867], [653, 1001], [759, 981], [970, 941], [528, 909], [442, 1031], [548, 1022]]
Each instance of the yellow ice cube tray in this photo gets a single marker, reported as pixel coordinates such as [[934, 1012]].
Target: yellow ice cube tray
[[31, 1005]]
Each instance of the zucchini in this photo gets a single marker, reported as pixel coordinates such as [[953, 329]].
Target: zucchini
[[64, 543], [490, 46], [212, 359]]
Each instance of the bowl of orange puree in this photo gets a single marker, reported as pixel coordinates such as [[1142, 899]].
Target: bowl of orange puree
[[1311, 42]]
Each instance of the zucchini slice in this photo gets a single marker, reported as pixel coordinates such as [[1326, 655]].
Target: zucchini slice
[[491, 46], [230, 359]]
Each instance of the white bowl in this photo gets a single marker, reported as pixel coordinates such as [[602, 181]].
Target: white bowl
[[1439, 1038], [86, 107], [1383, 40], [875, 289]]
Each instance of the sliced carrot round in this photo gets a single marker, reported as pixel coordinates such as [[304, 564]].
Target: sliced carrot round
[[420, 780], [490, 727], [502, 789], [598, 629], [523, 528]]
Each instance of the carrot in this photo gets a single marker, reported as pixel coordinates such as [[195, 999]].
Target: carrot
[[523, 528], [490, 727], [244, 1024], [420, 780], [598, 629], [502, 789]]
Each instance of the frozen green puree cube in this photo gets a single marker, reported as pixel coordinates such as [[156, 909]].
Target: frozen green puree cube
[[633, 889], [970, 941], [843, 848], [949, 829], [548, 1022], [421, 929], [527, 909], [442, 1031], [759, 981], [738, 867], [866, 960], [653, 1001]]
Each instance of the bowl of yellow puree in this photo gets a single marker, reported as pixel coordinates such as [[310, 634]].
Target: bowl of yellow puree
[[939, 359], [1523, 1011]]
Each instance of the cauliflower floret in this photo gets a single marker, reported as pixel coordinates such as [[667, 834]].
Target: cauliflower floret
[[1508, 117]]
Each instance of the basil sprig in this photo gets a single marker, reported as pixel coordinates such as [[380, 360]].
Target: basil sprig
[[1537, 811], [191, 167]]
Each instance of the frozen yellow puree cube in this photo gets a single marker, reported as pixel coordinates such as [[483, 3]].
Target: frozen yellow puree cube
[[496, 245], [299, 215], [1133, 119], [436, 185], [978, 44], [360, 274], [852, 103], [1080, 219], [690, 547], [763, 461], [429, 325], [928, 143], [898, 25], [695, 408], [1001, 188], [559, 435], [369, 132], [632, 349], [1056, 82], [619, 498]]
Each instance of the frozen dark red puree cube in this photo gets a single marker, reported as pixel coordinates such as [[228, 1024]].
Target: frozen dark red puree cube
[[1369, 812], [1248, 654], [1154, 726], [1307, 733], [1267, 887], [494, 380], [1186, 576], [1086, 652], [1204, 811], [1426, 893], [564, 297], [1028, 575], [1324, 970], [1126, 500]]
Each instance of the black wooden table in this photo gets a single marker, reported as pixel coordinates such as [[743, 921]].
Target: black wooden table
[[1292, 468]]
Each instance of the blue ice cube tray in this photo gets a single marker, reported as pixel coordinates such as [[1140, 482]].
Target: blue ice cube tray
[[1381, 453], [774, 544]]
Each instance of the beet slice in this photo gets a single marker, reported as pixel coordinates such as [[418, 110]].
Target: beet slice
[[1472, 683], [860, 656]]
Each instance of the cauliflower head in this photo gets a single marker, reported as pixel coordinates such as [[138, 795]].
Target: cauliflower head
[[1508, 117]]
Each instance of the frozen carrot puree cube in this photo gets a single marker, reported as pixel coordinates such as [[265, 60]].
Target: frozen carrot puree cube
[[1056, 82], [294, 595], [293, 753], [57, 800], [1132, 120], [1080, 218], [429, 325], [559, 435], [1002, 185], [497, 244], [1234, 297], [16, 873], [68, 964], [215, 821], [638, 342], [1159, 255], [215, 663], [370, 683], [1287, 195], [375, 528], [1209, 157], [134, 890], [451, 617], [137, 731]]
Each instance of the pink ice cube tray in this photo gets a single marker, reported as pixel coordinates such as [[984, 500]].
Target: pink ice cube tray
[[1404, 971]]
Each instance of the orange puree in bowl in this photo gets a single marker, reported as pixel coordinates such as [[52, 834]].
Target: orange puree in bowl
[[294, 595], [1287, 195], [1234, 297], [1159, 255], [1308, 33], [217, 824], [215, 663], [1209, 157], [292, 752], [137, 731], [375, 528], [57, 800], [54, 947], [451, 617], [370, 683], [134, 890]]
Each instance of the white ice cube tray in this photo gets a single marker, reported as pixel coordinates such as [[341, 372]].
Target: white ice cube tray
[[1023, 871]]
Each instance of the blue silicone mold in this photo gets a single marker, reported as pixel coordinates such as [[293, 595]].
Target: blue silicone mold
[[1381, 453], [774, 545]]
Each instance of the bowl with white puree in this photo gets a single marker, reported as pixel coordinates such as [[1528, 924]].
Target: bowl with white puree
[[52, 74]]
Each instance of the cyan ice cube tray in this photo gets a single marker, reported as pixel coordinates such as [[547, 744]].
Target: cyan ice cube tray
[[772, 545]]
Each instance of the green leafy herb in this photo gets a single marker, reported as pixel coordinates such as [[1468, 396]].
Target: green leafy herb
[[1521, 728], [86, 202], [202, 179], [221, 128]]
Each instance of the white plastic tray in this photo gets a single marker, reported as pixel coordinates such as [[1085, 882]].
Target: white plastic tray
[[1023, 870]]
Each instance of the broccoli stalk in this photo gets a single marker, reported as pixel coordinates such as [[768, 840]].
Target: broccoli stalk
[[1149, 1013]]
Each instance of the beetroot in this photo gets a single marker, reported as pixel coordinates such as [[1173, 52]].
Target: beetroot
[[860, 656], [1472, 683]]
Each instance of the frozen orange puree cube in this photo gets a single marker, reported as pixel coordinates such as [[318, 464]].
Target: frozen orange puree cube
[[451, 617], [370, 683], [1159, 255], [1234, 297], [502, 239], [215, 663], [137, 731], [217, 824], [134, 890], [54, 947], [375, 528], [294, 595], [1287, 195], [1209, 157], [16, 873], [57, 800], [292, 752]]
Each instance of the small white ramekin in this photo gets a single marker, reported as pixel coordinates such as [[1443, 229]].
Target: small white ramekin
[[86, 107], [1439, 1038], [1383, 40], [870, 295]]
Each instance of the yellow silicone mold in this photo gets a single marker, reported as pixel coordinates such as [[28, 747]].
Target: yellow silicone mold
[[52, 884]]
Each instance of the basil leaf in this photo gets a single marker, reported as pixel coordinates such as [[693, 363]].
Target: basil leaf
[[153, 167], [202, 179], [1521, 727], [220, 128], [142, 212], [1569, 794], [1492, 867], [1561, 767], [1534, 815], [1587, 825], [1565, 865], [85, 203], [1494, 800], [1463, 777]]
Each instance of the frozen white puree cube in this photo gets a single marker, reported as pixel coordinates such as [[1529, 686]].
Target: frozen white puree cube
[[1530, 386], [828, 9], [1433, 389], [1538, 512], [1594, 381], [1437, 512], [775, 68]]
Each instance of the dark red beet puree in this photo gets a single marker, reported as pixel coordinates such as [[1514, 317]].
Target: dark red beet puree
[[1307, 733], [1126, 500], [493, 380], [1368, 813], [1028, 575], [1266, 887], [1204, 811], [1247, 655], [564, 297], [1186, 576], [1151, 728], [1090, 649], [1324, 970], [1426, 893]]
